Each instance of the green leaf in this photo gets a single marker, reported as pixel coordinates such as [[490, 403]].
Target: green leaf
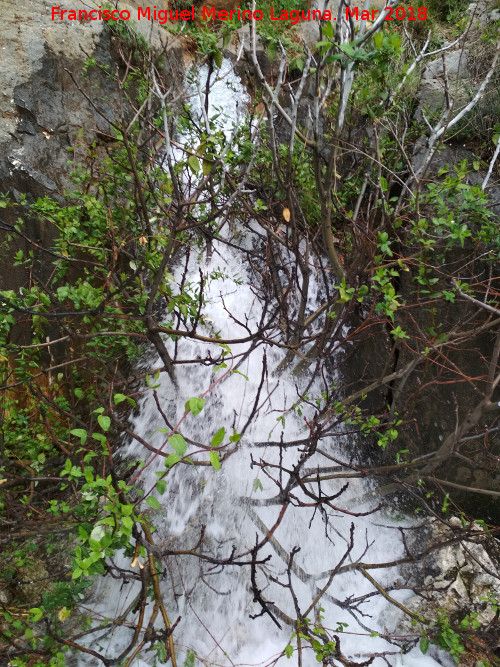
[[214, 460], [194, 164], [119, 398], [161, 485], [80, 433], [104, 422], [327, 29], [162, 655], [152, 501], [289, 651], [78, 392], [347, 49], [222, 365], [36, 613], [257, 485], [44, 299], [333, 58], [298, 63], [97, 534], [424, 645], [127, 522], [172, 459], [207, 167], [195, 405], [217, 55], [218, 437], [126, 510], [109, 520], [235, 437], [272, 50], [178, 444], [240, 373]]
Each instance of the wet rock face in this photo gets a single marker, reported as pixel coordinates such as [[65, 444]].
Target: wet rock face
[[28, 37], [49, 115], [47, 105], [42, 112]]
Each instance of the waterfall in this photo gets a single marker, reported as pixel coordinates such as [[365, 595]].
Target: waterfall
[[234, 506]]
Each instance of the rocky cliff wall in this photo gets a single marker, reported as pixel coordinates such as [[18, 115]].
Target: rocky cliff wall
[[47, 105]]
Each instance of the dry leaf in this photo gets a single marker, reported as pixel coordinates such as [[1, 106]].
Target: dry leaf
[[63, 614], [135, 562], [286, 214]]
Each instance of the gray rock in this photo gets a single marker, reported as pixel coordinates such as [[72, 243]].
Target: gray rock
[[483, 13], [458, 577], [39, 100], [5, 595], [431, 93], [455, 62], [48, 106]]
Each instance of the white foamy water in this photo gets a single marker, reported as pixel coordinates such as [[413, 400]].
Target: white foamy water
[[216, 512], [214, 603]]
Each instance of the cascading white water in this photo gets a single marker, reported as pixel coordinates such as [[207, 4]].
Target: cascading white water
[[228, 506]]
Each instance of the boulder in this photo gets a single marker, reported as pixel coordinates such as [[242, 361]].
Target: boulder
[[431, 93], [455, 63]]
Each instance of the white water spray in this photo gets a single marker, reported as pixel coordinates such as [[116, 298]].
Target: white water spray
[[212, 511]]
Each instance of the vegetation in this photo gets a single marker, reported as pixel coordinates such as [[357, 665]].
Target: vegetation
[[406, 261]]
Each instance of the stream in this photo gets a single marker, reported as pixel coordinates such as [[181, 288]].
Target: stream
[[234, 506]]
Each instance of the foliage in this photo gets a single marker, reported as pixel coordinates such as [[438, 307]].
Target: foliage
[[103, 253], [453, 638], [410, 256]]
